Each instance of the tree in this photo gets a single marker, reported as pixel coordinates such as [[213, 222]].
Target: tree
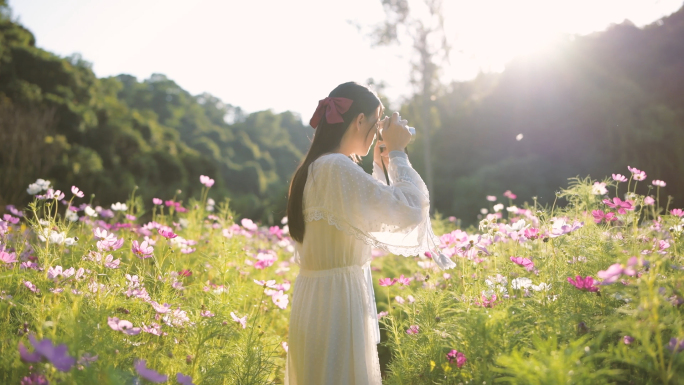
[[422, 23]]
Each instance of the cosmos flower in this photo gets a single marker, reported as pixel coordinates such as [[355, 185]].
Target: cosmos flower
[[413, 329], [205, 180], [659, 183], [242, 321], [157, 201], [118, 206], [183, 379], [456, 357], [143, 250], [524, 262], [122, 326], [77, 192], [387, 281], [280, 299], [148, 374], [166, 232], [619, 178], [57, 355], [584, 284], [618, 204], [599, 188], [508, 194]]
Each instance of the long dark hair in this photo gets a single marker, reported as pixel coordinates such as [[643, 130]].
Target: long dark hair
[[327, 138]]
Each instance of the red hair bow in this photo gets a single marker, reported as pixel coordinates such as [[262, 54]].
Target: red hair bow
[[333, 109]]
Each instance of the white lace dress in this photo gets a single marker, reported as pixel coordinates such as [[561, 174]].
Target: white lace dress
[[333, 321]]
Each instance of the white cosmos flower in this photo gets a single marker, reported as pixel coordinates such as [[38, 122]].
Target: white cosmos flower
[[70, 242], [90, 212], [541, 286], [71, 216], [517, 226], [118, 206], [512, 209], [44, 184], [34, 189], [498, 207], [521, 283]]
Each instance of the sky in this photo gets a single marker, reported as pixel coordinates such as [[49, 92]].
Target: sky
[[287, 55]]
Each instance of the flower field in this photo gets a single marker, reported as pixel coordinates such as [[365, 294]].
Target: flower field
[[175, 291]]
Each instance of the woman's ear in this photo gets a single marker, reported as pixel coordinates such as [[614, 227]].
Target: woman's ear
[[358, 122]]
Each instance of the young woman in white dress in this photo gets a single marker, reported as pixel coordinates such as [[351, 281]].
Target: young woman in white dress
[[336, 214]]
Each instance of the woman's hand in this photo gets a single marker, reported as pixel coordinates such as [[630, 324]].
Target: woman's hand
[[380, 157], [395, 133]]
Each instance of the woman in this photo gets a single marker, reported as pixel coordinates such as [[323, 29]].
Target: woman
[[336, 214]]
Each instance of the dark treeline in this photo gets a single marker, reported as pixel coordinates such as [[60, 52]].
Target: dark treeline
[[591, 106]]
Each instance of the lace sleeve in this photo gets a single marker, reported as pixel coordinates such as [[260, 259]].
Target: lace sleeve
[[379, 174], [394, 218]]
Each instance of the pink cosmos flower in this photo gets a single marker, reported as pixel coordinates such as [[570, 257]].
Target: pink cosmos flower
[[382, 314], [154, 328], [148, 374], [387, 281], [531, 233], [206, 313], [77, 192], [270, 283], [242, 321], [628, 340], [205, 180], [649, 201], [491, 198], [157, 201], [509, 194], [249, 224], [404, 280], [612, 274], [677, 212], [161, 309], [619, 178], [285, 346], [456, 357], [280, 299], [487, 302], [122, 326], [413, 329], [8, 257], [618, 204], [166, 232], [143, 250], [31, 287], [584, 284], [524, 262], [659, 183], [399, 300]]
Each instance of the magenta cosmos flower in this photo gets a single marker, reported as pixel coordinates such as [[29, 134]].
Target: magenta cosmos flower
[[677, 212], [524, 262], [456, 357], [584, 284], [148, 374], [166, 232], [600, 216], [618, 204]]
